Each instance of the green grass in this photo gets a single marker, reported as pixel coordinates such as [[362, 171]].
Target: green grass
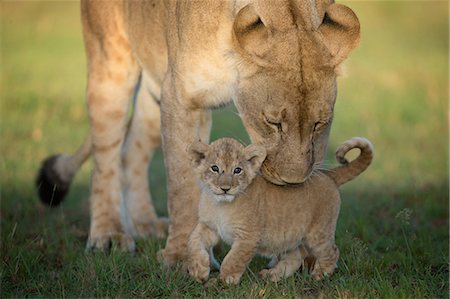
[[393, 227]]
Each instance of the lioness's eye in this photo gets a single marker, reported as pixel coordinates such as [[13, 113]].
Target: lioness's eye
[[274, 121], [215, 168], [237, 170], [320, 125], [275, 124]]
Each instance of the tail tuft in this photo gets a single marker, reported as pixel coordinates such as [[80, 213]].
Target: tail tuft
[[51, 187], [347, 171]]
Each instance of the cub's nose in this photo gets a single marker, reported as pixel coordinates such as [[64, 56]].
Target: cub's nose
[[225, 189]]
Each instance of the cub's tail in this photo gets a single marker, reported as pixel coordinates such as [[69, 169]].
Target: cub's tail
[[349, 170], [56, 174]]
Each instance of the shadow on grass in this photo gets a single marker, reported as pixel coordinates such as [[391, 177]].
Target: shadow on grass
[[391, 242]]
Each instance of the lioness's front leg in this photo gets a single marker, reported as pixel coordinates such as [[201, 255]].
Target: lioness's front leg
[[181, 125], [112, 75]]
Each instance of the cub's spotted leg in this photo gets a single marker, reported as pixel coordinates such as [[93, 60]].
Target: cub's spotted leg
[[142, 139], [201, 239], [289, 262], [112, 75]]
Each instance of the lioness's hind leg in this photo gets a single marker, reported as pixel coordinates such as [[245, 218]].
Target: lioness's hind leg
[[112, 75], [143, 138]]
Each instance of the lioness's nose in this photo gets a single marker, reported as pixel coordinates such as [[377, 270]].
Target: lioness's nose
[[225, 189], [295, 174]]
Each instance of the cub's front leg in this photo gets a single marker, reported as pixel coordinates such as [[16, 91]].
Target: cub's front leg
[[236, 261], [201, 239]]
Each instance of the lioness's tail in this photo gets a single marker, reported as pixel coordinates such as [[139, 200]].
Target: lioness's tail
[[349, 170], [56, 174]]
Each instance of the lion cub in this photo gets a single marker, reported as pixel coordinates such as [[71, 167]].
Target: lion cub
[[255, 216]]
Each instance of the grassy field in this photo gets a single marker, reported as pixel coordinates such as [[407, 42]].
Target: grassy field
[[393, 227]]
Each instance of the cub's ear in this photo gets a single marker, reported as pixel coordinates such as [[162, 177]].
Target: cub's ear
[[340, 29], [249, 32], [255, 154], [197, 152]]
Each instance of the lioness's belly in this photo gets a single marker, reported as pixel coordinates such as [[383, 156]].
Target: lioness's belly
[[199, 54], [145, 24]]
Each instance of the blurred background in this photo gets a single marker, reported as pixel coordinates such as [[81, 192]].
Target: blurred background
[[395, 93]]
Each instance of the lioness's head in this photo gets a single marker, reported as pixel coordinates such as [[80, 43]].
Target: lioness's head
[[225, 167], [289, 52]]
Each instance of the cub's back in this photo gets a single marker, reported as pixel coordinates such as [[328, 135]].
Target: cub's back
[[290, 212]]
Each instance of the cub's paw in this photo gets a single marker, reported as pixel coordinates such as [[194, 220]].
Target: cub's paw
[[199, 270], [321, 271], [170, 259], [271, 274], [231, 278], [104, 242], [319, 275]]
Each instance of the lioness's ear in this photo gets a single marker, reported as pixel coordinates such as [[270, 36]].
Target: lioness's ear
[[340, 29], [197, 152], [255, 154], [250, 32]]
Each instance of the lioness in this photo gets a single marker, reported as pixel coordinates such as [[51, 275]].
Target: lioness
[[275, 59], [256, 216]]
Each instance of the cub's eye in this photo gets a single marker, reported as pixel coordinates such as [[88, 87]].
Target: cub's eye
[[215, 168], [237, 170]]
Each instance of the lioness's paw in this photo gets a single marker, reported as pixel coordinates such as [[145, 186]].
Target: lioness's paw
[[230, 278], [106, 241]]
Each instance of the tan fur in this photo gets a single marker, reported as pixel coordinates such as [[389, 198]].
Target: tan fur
[[256, 216], [275, 59]]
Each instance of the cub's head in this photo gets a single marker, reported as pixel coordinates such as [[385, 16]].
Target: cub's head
[[225, 167]]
